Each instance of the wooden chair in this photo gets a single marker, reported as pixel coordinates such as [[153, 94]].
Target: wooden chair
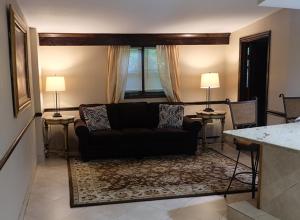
[[291, 107], [244, 115]]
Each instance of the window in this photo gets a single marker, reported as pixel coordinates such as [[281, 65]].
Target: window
[[143, 79]]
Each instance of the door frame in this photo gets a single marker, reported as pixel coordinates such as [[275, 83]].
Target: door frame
[[250, 38]]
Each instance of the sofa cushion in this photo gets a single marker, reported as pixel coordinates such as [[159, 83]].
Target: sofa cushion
[[137, 135], [170, 116], [170, 134], [112, 112], [105, 137], [133, 115], [153, 114], [96, 118]]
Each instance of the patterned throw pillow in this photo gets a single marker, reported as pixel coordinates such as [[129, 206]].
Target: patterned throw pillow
[[96, 118], [170, 116]]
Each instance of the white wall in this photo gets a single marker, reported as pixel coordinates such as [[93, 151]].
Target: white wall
[[36, 82], [17, 173]]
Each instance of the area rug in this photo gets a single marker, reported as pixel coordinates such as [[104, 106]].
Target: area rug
[[111, 181]]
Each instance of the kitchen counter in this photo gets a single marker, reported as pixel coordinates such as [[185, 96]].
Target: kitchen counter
[[279, 171], [283, 135]]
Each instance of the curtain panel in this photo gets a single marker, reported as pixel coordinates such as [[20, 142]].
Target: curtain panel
[[117, 68], [169, 71]]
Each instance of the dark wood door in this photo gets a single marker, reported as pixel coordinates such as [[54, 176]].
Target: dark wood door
[[254, 71]]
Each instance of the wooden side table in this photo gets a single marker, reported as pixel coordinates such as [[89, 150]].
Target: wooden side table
[[65, 120], [207, 117]]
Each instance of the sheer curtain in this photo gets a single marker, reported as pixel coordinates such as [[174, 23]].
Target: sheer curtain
[[169, 72], [117, 68]]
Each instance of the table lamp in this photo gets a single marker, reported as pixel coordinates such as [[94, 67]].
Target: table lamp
[[55, 84], [209, 81]]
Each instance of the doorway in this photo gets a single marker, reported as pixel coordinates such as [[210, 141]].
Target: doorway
[[254, 71]]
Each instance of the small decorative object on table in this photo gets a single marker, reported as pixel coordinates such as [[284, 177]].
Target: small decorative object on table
[[55, 84], [207, 117], [209, 81], [64, 120]]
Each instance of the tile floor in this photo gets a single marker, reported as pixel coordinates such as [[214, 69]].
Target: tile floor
[[49, 200]]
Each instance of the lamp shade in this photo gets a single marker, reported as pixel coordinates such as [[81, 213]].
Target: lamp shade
[[210, 80], [55, 84]]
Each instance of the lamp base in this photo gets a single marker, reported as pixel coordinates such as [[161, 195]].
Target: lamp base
[[56, 115], [208, 110]]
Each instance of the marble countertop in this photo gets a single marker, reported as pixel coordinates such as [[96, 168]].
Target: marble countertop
[[283, 135]]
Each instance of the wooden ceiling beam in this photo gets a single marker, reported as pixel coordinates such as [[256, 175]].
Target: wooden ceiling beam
[[76, 39]]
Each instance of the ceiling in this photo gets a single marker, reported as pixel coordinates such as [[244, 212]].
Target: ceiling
[[141, 16]]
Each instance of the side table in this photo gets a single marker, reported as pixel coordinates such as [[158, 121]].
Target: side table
[[65, 120], [207, 117]]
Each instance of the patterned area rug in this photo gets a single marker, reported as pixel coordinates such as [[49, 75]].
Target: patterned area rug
[[129, 180]]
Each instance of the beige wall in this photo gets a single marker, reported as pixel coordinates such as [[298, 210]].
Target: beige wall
[[195, 60], [284, 64], [293, 87], [84, 68], [17, 173], [84, 71], [85, 75]]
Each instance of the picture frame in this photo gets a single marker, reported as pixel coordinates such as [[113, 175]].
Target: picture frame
[[19, 61]]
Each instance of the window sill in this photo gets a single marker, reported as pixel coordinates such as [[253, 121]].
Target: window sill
[[144, 95]]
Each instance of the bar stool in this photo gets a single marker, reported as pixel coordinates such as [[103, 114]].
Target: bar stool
[[291, 108], [244, 115]]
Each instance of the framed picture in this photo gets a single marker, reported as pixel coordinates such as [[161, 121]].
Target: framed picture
[[19, 61]]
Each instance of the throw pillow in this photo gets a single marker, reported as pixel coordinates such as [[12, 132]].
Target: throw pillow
[[170, 116], [96, 118]]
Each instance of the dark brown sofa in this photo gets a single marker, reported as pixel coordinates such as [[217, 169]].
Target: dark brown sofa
[[134, 133]]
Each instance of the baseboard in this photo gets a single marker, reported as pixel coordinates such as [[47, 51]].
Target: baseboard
[[27, 195]]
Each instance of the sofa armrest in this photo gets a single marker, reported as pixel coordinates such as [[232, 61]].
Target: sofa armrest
[[81, 129], [191, 125]]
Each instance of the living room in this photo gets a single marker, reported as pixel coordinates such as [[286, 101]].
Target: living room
[[142, 63]]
